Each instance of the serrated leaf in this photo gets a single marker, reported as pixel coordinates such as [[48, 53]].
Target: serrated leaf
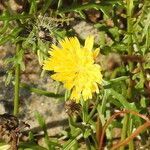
[[121, 99], [11, 36], [41, 121]]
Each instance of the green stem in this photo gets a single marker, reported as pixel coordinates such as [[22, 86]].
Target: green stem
[[73, 125], [14, 17], [40, 91], [33, 7], [85, 119], [93, 110], [88, 144], [76, 136], [94, 140], [130, 42], [17, 82], [5, 26], [130, 7], [85, 105], [129, 25], [60, 2], [130, 127], [45, 6], [86, 6], [104, 101], [124, 129]]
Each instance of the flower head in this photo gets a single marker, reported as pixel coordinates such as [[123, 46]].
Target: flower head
[[74, 66]]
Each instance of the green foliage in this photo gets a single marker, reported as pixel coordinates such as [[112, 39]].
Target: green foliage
[[124, 30]]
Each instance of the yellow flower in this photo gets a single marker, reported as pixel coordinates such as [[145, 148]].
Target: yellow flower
[[74, 66]]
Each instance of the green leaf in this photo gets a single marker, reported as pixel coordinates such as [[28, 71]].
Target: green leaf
[[8, 77], [40, 91], [46, 5], [30, 146], [41, 122], [15, 17], [121, 99], [5, 26], [60, 3], [11, 36], [143, 102], [116, 80], [19, 59], [31, 136], [42, 51], [82, 14], [140, 77], [72, 141], [104, 101], [30, 40], [33, 7], [52, 144], [87, 133], [114, 101]]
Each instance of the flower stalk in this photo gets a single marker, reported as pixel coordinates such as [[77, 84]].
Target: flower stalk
[[130, 52], [124, 129], [17, 84]]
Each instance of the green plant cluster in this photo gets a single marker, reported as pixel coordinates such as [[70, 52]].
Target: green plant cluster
[[124, 99]]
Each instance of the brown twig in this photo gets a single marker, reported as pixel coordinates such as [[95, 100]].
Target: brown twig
[[112, 118], [134, 134], [132, 58]]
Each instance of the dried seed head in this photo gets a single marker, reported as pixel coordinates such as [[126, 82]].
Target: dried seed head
[[8, 121], [72, 108], [10, 128]]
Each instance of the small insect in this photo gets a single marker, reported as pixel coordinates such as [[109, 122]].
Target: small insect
[[10, 129]]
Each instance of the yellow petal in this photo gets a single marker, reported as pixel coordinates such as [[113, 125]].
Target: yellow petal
[[75, 95], [89, 43], [87, 94], [95, 53], [74, 66]]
